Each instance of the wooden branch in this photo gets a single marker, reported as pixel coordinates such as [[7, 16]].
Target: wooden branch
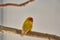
[[17, 5], [32, 33]]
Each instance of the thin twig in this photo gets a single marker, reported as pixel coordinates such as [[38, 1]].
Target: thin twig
[[17, 5], [32, 33]]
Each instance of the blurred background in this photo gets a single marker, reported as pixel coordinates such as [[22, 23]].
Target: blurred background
[[46, 15]]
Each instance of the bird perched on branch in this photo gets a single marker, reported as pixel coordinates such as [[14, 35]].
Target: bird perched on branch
[[27, 26]]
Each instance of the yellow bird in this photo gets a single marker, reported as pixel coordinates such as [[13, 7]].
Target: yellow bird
[[27, 26]]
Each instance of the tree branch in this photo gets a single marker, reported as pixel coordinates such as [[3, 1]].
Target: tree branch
[[17, 5], [32, 33]]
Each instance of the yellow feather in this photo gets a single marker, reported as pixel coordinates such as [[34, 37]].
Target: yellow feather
[[27, 25]]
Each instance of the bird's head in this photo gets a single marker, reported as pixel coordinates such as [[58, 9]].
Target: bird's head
[[30, 19]]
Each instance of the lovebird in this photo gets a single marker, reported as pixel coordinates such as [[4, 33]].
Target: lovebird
[[27, 26]]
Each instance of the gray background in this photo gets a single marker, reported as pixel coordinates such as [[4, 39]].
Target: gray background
[[1, 19], [1, 13], [46, 14]]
